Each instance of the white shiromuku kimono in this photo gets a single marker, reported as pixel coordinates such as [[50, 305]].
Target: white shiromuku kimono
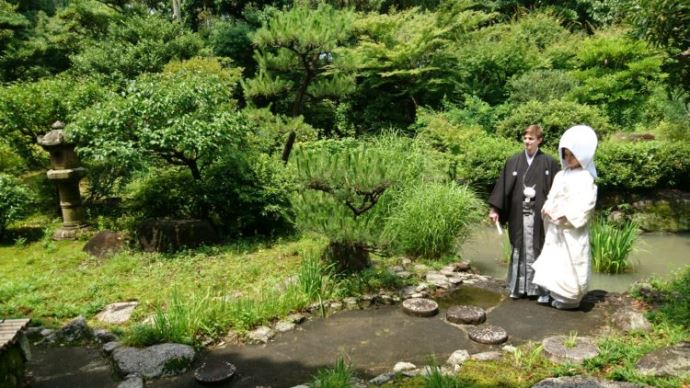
[[564, 265]]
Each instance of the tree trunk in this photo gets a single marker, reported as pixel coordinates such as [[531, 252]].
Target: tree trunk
[[348, 256], [176, 6]]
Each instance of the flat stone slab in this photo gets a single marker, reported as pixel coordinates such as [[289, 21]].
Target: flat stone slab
[[627, 319], [582, 382], [155, 361], [670, 361], [489, 334], [420, 307], [558, 349], [117, 313], [214, 372], [470, 315]]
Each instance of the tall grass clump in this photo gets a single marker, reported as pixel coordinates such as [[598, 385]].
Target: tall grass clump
[[340, 376], [436, 379], [432, 218], [611, 245]]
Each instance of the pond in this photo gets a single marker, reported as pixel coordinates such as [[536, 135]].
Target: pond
[[657, 254]]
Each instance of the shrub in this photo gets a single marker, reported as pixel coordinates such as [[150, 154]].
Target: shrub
[[431, 219], [611, 245], [480, 159], [554, 117], [540, 85], [643, 165], [14, 201]]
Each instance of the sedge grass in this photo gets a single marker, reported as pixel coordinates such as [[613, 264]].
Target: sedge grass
[[611, 245], [340, 376]]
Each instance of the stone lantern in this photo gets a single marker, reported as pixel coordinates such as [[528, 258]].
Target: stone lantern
[[66, 172]]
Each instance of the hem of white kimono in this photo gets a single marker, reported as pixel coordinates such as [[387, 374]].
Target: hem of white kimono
[[565, 301]]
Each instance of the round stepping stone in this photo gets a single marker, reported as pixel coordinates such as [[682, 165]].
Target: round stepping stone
[[465, 314], [489, 334], [561, 349], [214, 372], [420, 307]]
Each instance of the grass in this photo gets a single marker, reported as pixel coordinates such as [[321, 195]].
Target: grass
[[340, 376], [611, 245]]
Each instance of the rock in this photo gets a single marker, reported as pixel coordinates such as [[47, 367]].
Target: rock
[[420, 268], [471, 315], [487, 356], [627, 319], [296, 318], [403, 274], [582, 382], [47, 332], [670, 361], [132, 382], [420, 307], [405, 261], [261, 334], [421, 287], [117, 313], [214, 372], [509, 349], [385, 299], [336, 306], [382, 378], [463, 266], [396, 268], [104, 336], [556, 349], [437, 279], [284, 326], [164, 235], [455, 280], [110, 346], [105, 243], [155, 361], [403, 366], [350, 303], [458, 357], [76, 330], [231, 338], [489, 334]]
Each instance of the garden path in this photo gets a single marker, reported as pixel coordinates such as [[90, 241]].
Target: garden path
[[373, 340]]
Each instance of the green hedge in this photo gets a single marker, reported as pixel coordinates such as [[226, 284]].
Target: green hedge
[[14, 200], [639, 166]]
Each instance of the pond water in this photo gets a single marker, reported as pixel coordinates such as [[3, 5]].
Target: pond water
[[657, 254]]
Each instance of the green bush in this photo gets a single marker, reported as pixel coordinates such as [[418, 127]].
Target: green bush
[[540, 85], [10, 161], [643, 165], [480, 159], [431, 218], [611, 245], [14, 201], [554, 117]]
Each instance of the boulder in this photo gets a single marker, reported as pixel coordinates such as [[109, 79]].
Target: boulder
[[77, 330], [458, 357], [132, 382], [105, 243], [670, 361], [155, 361], [164, 235]]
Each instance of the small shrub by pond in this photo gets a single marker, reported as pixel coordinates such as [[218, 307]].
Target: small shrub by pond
[[611, 245]]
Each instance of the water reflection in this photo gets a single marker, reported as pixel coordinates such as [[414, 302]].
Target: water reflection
[[657, 254]]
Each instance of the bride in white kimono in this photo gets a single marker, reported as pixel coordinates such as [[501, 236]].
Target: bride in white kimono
[[564, 265]]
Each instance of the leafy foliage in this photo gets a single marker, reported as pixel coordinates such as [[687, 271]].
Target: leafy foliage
[[612, 245], [14, 201], [642, 165], [554, 117], [431, 219]]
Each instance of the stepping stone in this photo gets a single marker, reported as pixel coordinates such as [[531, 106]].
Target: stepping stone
[[584, 382], [489, 334], [556, 349], [670, 361], [420, 307], [465, 314], [214, 372]]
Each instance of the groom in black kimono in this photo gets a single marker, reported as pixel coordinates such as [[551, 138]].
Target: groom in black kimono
[[517, 198]]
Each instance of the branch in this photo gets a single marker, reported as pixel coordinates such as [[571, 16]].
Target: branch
[[370, 198]]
